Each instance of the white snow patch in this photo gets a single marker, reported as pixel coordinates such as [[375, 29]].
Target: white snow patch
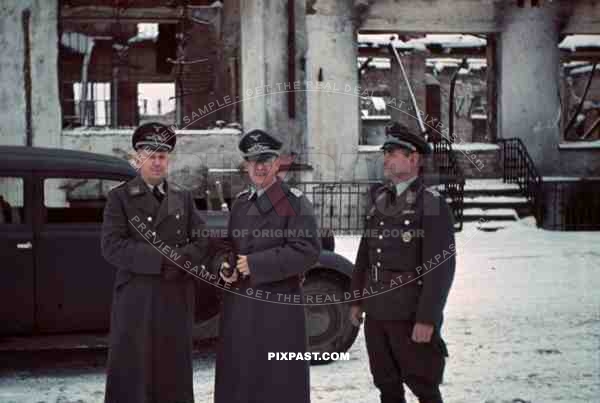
[[580, 144], [475, 146], [495, 199], [572, 42], [445, 41], [376, 117], [478, 212], [489, 184]]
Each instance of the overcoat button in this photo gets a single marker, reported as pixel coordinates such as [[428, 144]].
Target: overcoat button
[[378, 250], [150, 219]]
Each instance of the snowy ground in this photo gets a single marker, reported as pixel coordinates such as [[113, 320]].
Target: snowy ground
[[522, 322]]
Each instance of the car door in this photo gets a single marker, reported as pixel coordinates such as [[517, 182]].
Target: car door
[[17, 243], [73, 281]]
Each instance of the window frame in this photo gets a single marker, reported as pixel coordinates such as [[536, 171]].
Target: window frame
[[27, 222], [43, 210]]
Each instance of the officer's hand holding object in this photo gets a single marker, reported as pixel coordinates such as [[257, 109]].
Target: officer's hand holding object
[[242, 265]]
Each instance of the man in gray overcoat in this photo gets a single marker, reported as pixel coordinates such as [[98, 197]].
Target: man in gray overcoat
[[151, 230], [274, 239]]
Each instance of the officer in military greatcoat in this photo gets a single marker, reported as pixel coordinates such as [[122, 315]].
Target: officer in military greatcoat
[[274, 239], [151, 231]]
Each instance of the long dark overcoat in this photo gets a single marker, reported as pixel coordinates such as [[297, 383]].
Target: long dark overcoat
[[278, 232], [151, 324]]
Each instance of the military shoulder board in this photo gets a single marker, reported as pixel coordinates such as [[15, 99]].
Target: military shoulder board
[[296, 192], [135, 190], [118, 185], [243, 192]]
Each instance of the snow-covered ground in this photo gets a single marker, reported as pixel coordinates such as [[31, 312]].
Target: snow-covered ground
[[522, 322]]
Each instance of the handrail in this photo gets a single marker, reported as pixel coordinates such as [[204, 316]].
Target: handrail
[[518, 167], [448, 167]]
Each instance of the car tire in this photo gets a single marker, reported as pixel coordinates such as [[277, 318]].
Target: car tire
[[328, 325]]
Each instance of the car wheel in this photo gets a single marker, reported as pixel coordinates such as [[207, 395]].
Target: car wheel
[[328, 325]]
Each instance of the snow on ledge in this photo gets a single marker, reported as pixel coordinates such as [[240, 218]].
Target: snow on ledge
[[572, 42], [582, 145], [107, 131], [456, 147], [475, 147]]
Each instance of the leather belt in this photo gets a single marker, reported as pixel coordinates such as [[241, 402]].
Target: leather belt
[[386, 276]]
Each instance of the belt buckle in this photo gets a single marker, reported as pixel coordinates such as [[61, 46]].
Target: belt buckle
[[375, 273]]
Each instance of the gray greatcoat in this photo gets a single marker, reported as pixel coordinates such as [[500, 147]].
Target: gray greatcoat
[[251, 328], [152, 316]]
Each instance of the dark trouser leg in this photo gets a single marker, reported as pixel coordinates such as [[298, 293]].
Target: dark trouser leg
[[386, 374], [422, 364]]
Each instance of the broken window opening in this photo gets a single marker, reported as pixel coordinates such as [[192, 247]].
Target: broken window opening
[[430, 62]]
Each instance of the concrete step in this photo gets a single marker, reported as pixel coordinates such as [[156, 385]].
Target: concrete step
[[490, 188], [493, 214]]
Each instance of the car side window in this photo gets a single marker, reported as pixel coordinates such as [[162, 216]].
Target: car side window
[[12, 197], [76, 200]]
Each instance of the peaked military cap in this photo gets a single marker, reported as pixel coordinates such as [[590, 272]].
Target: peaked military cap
[[399, 136], [258, 144], [154, 136]]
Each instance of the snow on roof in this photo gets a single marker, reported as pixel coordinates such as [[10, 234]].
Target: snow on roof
[[583, 69], [376, 117], [378, 103], [445, 41], [439, 64], [572, 42], [376, 62]]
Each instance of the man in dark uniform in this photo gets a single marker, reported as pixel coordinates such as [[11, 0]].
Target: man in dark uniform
[[274, 239], [151, 230], [407, 258]]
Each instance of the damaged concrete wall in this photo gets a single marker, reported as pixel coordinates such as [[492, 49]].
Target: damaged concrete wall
[[29, 100], [196, 150]]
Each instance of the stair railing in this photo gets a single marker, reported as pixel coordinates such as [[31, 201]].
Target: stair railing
[[518, 167]]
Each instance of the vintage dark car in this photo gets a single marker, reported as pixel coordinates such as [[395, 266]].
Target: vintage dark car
[[53, 278]]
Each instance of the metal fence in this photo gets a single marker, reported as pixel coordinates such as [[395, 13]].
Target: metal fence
[[339, 206], [572, 206], [342, 206]]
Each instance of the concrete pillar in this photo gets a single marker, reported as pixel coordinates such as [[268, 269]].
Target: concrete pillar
[[271, 93], [29, 101], [528, 100], [333, 125]]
